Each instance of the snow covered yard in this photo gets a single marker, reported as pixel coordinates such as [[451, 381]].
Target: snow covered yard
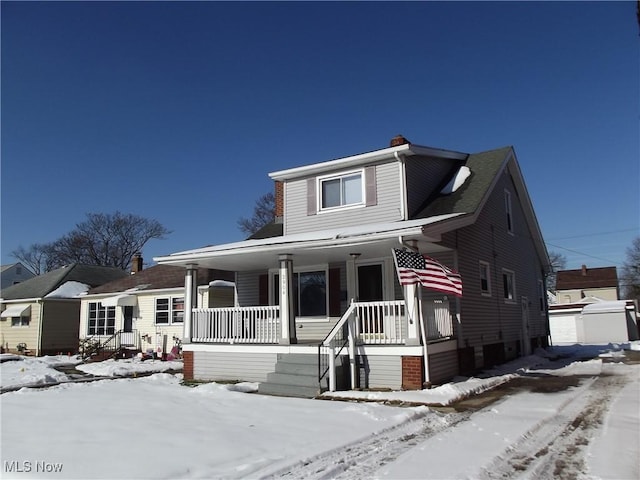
[[155, 427]]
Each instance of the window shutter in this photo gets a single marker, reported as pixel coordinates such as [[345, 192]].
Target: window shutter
[[371, 193], [334, 292], [263, 290], [311, 196]]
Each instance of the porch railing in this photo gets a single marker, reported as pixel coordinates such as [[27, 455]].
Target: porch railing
[[438, 319], [236, 325], [380, 323]]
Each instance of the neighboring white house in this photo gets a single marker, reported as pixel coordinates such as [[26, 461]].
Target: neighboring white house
[[146, 308], [41, 315], [14, 273]]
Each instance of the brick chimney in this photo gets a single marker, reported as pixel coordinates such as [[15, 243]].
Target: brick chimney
[[136, 263], [584, 270], [398, 140], [279, 199]]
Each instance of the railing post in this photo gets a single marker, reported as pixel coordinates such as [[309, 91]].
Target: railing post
[[190, 299], [332, 370], [352, 351]]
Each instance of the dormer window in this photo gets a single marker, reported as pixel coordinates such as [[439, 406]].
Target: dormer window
[[341, 191]]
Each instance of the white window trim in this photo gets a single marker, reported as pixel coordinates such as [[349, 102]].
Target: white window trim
[[273, 272], [482, 263], [360, 204], [506, 271], [169, 311], [21, 325], [106, 318]]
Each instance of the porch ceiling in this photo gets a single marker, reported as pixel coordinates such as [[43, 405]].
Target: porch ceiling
[[314, 248]]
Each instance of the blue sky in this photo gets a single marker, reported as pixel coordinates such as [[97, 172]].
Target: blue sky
[[178, 111]]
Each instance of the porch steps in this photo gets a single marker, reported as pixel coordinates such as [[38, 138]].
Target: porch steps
[[296, 375]]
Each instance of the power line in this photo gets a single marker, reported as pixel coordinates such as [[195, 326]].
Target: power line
[[596, 233], [584, 254]]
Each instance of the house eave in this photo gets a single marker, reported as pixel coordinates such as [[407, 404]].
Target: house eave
[[325, 244], [365, 158]]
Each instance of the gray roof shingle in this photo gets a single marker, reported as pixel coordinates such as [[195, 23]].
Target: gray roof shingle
[[41, 285]]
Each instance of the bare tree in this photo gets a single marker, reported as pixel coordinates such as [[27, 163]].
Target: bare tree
[[264, 212], [102, 239], [630, 277], [36, 257], [558, 262]]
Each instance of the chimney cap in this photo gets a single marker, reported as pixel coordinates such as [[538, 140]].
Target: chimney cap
[[398, 140]]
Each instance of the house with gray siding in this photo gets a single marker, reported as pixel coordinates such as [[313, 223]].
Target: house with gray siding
[[319, 305]]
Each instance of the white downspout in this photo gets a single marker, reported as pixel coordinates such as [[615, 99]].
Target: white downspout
[[417, 313]]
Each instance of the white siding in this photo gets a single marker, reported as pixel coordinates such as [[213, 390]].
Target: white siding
[[387, 208], [12, 336]]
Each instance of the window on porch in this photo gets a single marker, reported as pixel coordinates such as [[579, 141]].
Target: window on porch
[[310, 294]]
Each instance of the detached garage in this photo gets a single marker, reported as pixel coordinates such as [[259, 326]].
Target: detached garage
[[599, 322]]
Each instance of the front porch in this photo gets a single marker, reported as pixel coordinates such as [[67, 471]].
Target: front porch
[[247, 343]]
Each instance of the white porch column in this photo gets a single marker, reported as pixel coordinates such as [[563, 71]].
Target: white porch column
[[190, 299], [414, 307], [287, 313]]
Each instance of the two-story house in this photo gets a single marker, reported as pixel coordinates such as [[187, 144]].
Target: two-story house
[[14, 273], [319, 304]]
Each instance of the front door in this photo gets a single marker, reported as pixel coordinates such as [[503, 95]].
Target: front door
[[370, 289], [127, 325]]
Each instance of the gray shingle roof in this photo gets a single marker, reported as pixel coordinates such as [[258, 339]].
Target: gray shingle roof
[[41, 285], [159, 277], [484, 167]]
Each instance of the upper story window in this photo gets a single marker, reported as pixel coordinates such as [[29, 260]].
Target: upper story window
[[102, 320], [341, 191], [508, 210], [169, 310], [485, 278]]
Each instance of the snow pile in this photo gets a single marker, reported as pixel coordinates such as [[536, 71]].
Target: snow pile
[[69, 290], [457, 181], [20, 371], [128, 367]]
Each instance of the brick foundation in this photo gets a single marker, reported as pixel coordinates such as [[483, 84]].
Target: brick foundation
[[187, 371], [412, 373]]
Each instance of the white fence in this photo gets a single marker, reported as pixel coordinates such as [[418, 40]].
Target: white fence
[[236, 325]]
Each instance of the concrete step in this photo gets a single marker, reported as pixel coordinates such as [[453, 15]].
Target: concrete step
[[299, 358], [297, 368], [288, 390], [293, 380]]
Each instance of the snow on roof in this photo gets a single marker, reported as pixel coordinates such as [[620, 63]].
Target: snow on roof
[[69, 290], [605, 307], [457, 181], [222, 283]]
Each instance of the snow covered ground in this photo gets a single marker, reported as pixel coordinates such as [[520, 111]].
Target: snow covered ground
[[155, 427]]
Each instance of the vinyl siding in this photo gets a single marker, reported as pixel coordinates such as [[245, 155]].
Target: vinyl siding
[[387, 208], [232, 366], [424, 175], [443, 366], [60, 326], [491, 319], [12, 336], [378, 371], [247, 286]]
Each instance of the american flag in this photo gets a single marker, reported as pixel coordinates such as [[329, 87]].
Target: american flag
[[414, 268]]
